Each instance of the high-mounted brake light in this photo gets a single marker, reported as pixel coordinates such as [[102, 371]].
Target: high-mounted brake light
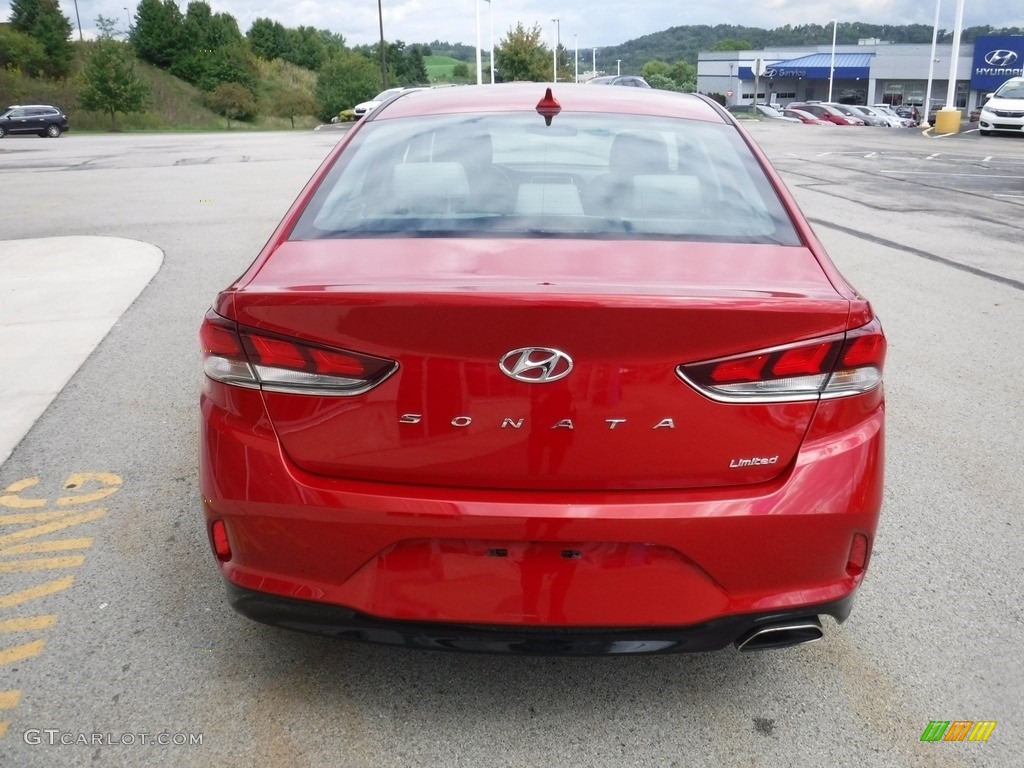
[[833, 366], [548, 107], [245, 357]]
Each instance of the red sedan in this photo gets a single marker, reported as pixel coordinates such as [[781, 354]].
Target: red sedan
[[537, 372], [805, 117]]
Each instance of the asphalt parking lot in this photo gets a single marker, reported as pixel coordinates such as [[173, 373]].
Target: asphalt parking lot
[[113, 622]]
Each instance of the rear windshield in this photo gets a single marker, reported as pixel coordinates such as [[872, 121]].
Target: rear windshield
[[585, 175]]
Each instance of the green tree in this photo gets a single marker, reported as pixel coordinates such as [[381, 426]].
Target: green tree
[[685, 76], [44, 21], [233, 101], [157, 34], [305, 48], [344, 81], [460, 71], [22, 52], [109, 83], [290, 103], [521, 56], [662, 82], [269, 39], [214, 51], [656, 67]]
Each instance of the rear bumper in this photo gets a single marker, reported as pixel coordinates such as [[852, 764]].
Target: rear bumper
[[335, 621], [671, 565]]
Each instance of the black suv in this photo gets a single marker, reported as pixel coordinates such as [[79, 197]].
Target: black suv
[[40, 119]]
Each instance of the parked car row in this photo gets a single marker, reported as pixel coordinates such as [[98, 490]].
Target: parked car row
[[830, 113]]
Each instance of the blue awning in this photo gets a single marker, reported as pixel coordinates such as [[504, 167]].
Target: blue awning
[[816, 66]]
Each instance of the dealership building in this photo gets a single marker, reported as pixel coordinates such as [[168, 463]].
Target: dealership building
[[871, 72]]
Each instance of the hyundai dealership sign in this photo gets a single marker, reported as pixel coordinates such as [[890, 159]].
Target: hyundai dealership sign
[[996, 60]]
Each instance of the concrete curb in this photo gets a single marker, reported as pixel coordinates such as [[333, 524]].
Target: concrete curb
[[59, 297]]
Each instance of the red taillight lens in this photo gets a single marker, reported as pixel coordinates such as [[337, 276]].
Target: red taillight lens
[[832, 366], [247, 358], [858, 559], [221, 546]]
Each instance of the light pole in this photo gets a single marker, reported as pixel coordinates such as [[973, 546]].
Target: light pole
[[554, 55], [576, 45], [490, 18], [128, 16], [383, 63], [931, 65], [79, 22], [832, 66], [479, 64], [595, 62], [618, 67], [958, 26]]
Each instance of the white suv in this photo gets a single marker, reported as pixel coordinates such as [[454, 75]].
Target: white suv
[[1004, 110]]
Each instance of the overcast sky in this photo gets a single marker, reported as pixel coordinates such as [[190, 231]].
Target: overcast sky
[[596, 22]]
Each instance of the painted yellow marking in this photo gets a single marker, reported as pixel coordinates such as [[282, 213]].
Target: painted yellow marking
[[11, 497], [21, 652], [31, 517], [78, 479], [57, 545], [57, 525], [41, 564], [33, 593], [3, 729], [28, 623], [9, 699]]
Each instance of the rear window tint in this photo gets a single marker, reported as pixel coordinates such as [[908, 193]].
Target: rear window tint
[[585, 175]]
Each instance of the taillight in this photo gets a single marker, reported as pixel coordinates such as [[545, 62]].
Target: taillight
[[248, 358], [832, 366], [221, 545], [858, 559]]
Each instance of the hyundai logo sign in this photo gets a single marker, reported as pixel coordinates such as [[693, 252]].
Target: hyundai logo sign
[[1000, 58], [997, 58]]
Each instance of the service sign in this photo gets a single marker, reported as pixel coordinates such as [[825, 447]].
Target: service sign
[[996, 60]]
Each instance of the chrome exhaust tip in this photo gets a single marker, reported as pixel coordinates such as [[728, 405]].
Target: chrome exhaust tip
[[781, 635]]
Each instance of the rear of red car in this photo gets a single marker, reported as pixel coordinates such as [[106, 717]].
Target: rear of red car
[[580, 381]]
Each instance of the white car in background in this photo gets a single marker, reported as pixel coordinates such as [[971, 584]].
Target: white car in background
[[880, 117], [368, 106], [1004, 110], [888, 111]]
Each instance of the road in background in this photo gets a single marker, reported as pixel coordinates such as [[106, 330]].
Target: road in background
[[126, 631]]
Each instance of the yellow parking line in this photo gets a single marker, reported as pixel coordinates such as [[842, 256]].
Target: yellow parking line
[[41, 564], [11, 497], [28, 623], [31, 517], [40, 530], [78, 479], [33, 593], [21, 652], [58, 545], [9, 699], [3, 729]]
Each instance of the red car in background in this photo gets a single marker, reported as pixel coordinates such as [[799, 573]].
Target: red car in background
[[826, 112], [805, 117], [536, 370]]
